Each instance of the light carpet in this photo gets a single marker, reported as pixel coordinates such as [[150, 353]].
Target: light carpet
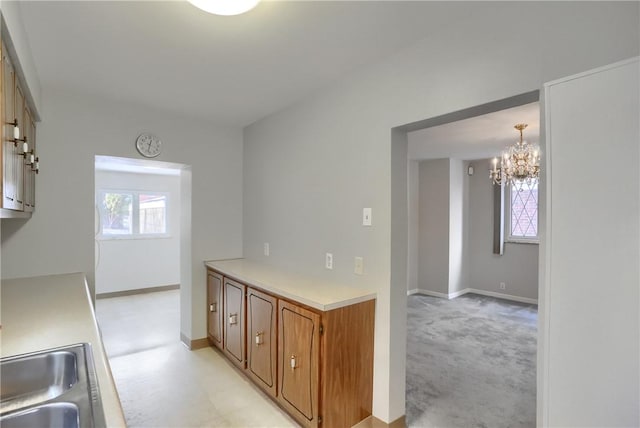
[[471, 362]]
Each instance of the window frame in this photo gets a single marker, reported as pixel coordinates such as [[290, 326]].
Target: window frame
[[135, 215], [508, 237]]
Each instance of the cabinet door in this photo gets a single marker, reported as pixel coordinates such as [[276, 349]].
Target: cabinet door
[[29, 174], [18, 158], [33, 166], [298, 357], [214, 308], [261, 344], [9, 149], [234, 322]]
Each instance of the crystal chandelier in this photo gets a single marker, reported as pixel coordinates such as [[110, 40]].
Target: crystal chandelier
[[520, 162]]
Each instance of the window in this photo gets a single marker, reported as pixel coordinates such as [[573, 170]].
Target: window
[[522, 216], [132, 214]]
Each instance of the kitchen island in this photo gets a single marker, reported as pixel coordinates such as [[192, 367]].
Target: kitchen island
[[50, 311]]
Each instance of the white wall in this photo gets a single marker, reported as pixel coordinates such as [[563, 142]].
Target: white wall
[[311, 168], [60, 236], [457, 267], [593, 235], [132, 264], [517, 267], [413, 263], [433, 228]]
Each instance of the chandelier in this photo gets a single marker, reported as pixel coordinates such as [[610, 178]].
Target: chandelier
[[520, 162]]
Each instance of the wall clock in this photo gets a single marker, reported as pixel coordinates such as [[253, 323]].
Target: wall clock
[[148, 145]]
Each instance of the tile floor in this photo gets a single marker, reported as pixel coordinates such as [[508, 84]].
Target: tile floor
[[163, 384]]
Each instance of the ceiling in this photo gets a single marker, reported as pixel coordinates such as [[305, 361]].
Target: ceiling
[[479, 137], [228, 70]]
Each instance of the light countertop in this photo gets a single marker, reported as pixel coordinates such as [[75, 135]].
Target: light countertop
[[51, 311], [319, 294]]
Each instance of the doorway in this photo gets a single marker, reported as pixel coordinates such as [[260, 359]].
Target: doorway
[[449, 254], [138, 231]]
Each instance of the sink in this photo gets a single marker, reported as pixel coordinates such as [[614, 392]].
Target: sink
[[51, 388], [46, 415], [36, 378]]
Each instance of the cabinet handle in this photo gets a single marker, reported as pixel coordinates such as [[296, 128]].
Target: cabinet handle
[[213, 307], [259, 340], [294, 364], [233, 319]]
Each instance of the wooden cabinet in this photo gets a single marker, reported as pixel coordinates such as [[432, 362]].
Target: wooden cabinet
[[261, 339], [10, 155], [317, 365], [29, 185], [298, 362], [234, 321], [215, 314], [17, 170]]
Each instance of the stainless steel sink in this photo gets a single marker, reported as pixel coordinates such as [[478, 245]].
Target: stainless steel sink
[[46, 415], [51, 388], [31, 380]]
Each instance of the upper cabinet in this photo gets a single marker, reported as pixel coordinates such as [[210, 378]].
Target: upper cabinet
[[18, 162]]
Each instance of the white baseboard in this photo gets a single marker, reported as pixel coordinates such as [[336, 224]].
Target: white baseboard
[[504, 296], [428, 293], [459, 293], [475, 291]]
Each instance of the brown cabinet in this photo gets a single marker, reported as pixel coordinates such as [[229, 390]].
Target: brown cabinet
[[234, 321], [317, 365], [261, 339], [298, 362], [10, 157], [17, 170], [29, 186], [215, 314]]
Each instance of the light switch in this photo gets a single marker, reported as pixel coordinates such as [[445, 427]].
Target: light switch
[[328, 261], [366, 216], [359, 266], [266, 248]]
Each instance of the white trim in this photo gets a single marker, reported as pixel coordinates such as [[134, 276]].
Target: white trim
[[450, 296], [544, 322], [459, 293], [428, 293], [503, 296], [592, 71]]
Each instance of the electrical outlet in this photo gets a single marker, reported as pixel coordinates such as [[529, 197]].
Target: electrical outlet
[[328, 261], [266, 248], [503, 286], [359, 266]]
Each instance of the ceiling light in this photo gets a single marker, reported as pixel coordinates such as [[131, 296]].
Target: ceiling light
[[225, 7], [520, 162]]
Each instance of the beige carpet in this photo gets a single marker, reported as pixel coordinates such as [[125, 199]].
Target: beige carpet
[[471, 362]]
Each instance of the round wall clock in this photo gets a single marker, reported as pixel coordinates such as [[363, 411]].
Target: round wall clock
[[149, 145]]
